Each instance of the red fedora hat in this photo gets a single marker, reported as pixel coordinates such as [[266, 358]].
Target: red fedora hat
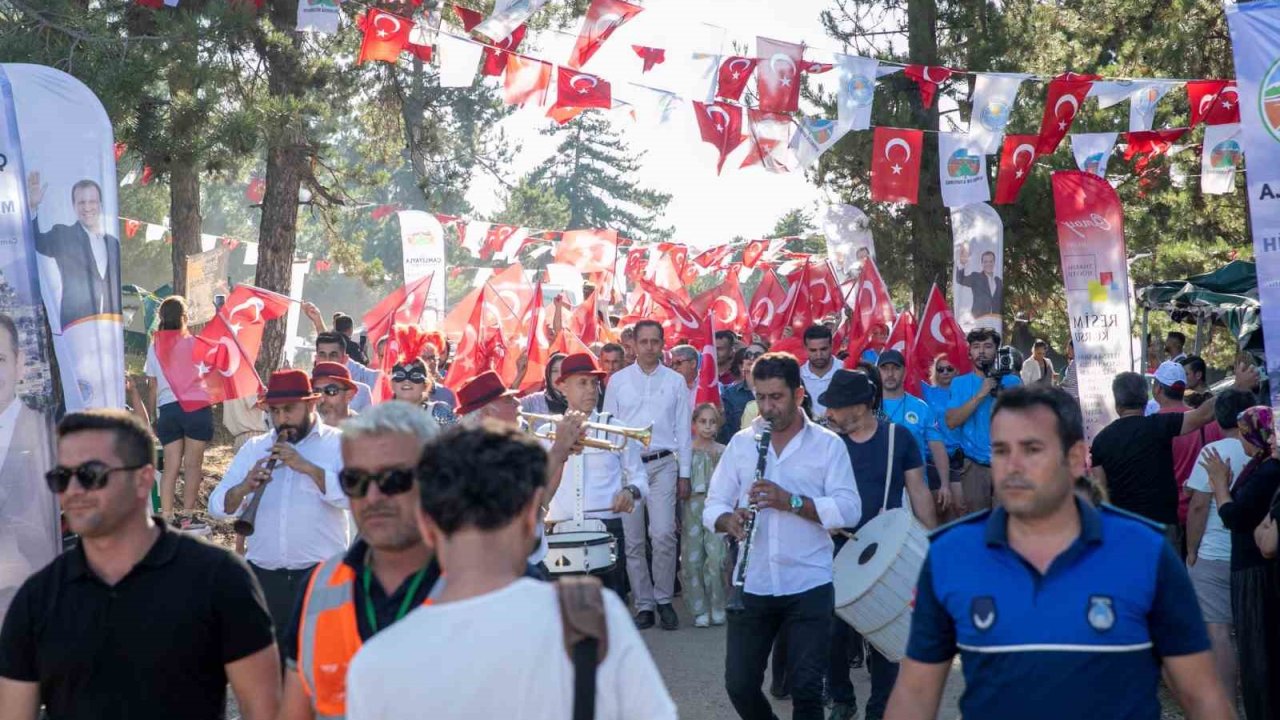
[[336, 372], [480, 391], [286, 386], [581, 364]]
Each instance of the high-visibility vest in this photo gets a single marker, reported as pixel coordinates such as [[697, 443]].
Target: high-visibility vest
[[329, 636]]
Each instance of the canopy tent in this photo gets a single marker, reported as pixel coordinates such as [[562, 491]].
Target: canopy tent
[[1227, 296]]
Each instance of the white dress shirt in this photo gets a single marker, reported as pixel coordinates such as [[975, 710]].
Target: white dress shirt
[[362, 374], [637, 398], [604, 474], [297, 525], [789, 554], [9, 422], [815, 385]]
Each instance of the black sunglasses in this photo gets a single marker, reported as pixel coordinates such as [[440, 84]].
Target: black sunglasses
[[413, 376], [946, 369], [331, 390], [749, 355], [355, 483], [92, 475]]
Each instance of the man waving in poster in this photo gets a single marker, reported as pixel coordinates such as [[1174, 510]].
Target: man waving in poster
[[987, 287]]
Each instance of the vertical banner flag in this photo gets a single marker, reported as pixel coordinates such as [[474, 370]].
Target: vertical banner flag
[[206, 277], [1255, 38], [1220, 158], [993, 98], [857, 89], [30, 535], [1096, 275], [849, 241], [68, 154], [1016, 160], [422, 244], [292, 339], [895, 165], [962, 171], [1093, 150], [977, 234]]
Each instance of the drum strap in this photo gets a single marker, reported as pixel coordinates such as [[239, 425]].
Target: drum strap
[[888, 468], [586, 637]]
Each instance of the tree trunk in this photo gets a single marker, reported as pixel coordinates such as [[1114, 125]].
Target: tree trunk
[[184, 219], [930, 244], [181, 164]]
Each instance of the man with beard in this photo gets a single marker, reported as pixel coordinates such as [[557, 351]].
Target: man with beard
[[302, 516], [336, 389], [387, 572], [1058, 609], [969, 411], [484, 396]]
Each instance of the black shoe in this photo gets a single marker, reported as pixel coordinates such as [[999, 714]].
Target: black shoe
[[843, 711], [644, 619], [778, 689], [667, 614]]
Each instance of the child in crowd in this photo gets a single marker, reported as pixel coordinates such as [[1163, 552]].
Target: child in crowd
[[703, 551]]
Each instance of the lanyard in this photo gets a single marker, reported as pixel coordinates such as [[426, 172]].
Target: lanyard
[[404, 604]]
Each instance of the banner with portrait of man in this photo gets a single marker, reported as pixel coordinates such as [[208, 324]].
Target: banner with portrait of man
[[977, 234], [69, 162]]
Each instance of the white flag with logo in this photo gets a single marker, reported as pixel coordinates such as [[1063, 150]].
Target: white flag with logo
[[1220, 158], [1093, 151], [814, 136], [422, 247], [1142, 97], [320, 16], [962, 171], [507, 16], [459, 60], [993, 98], [857, 77]]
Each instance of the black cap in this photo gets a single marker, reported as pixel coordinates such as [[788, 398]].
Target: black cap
[[848, 387], [891, 357]]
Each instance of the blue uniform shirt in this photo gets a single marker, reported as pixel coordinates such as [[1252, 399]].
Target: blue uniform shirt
[[915, 415], [1084, 640], [938, 399], [975, 433]]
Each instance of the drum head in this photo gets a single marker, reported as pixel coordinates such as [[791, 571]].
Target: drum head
[[578, 538], [867, 557]]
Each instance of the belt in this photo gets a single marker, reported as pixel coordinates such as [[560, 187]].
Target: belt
[[655, 456]]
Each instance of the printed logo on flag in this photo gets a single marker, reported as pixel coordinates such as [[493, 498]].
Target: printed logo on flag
[[1269, 100], [995, 115], [963, 164], [1095, 162], [1144, 102], [1079, 270], [821, 130], [861, 90], [1226, 154]]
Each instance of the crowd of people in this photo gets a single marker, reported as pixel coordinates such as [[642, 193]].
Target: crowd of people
[[400, 539]]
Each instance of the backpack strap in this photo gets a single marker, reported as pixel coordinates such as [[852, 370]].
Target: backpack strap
[[586, 637]]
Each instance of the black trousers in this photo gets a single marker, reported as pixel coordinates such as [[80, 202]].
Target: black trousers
[[805, 621], [281, 589], [615, 578], [1255, 610]]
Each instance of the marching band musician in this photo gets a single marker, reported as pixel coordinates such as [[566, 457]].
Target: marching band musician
[[807, 489], [613, 483]]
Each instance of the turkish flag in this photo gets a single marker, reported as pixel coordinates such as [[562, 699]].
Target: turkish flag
[[568, 343], [1145, 145], [403, 305], [1061, 106], [495, 312], [1016, 160], [495, 58], [651, 56], [726, 302], [895, 165], [778, 75], [636, 261], [176, 352], [1216, 102], [733, 76], [578, 91], [872, 303], [222, 363], [509, 294], [668, 268], [506, 240], [938, 334], [796, 310], [603, 17], [770, 135], [469, 358], [721, 125], [589, 250], [765, 302], [825, 291], [708, 388], [527, 79], [585, 322], [683, 322], [713, 259], [385, 36], [131, 228], [928, 78], [247, 311], [752, 252], [536, 344]]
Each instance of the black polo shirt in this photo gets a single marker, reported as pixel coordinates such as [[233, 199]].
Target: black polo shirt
[[154, 645]]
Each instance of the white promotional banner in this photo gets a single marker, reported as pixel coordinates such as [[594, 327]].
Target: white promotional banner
[[422, 245], [1255, 39], [977, 292], [1220, 158], [814, 136], [297, 278], [849, 240], [319, 16], [857, 77], [993, 98], [1093, 151], [962, 171], [459, 60], [1142, 97]]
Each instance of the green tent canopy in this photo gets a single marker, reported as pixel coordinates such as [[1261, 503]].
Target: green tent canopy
[[1227, 296]]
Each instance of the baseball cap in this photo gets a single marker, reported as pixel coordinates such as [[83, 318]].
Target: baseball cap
[[891, 357], [1171, 375]]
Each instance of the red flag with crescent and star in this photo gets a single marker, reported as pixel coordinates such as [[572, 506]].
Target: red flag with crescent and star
[[247, 311], [726, 302], [927, 78], [712, 260], [708, 387], [495, 56], [469, 359], [1146, 145], [872, 304], [765, 302], [778, 75], [903, 339], [1216, 102], [405, 304], [681, 321], [721, 125], [588, 250], [1066, 92], [895, 165], [385, 36], [939, 333], [637, 259], [733, 76], [1016, 160], [581, 90], [603, 17]]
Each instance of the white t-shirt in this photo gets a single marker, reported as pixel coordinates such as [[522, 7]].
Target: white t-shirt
[[164, 394], [1216, 543], [500, 655]]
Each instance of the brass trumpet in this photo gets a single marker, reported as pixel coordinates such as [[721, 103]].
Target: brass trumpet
[[640, 435]]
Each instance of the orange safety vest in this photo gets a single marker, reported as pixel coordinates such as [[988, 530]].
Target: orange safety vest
[[329, 636]]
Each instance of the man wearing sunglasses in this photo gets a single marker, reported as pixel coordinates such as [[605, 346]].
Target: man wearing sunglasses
[[301, 520], [336, 388], [138, 620], [332, 347], [386, 573]]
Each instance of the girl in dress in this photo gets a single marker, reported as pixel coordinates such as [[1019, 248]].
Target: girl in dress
[[702, 550]]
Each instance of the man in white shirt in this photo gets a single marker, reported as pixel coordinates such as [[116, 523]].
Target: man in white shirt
[[817, 373], [638, 395], [493, 643], [331, 347], [1038, 369], [301, 520], [808, 489], [684, 360]]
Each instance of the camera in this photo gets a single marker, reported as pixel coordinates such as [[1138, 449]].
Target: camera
[[1008, 362]]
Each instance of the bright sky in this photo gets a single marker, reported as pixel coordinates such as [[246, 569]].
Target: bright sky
[[705, 209]]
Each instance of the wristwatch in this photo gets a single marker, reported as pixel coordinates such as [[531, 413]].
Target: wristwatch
[[635, 492], [797, 503]]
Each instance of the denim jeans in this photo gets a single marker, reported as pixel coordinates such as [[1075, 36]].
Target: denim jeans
[[805, 620]]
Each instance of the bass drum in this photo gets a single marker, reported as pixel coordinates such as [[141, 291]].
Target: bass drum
[[875, 579], [580, 553]]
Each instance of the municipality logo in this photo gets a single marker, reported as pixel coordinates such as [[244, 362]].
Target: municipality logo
[[963, 164], [1269, 100], [821, 130], [1093, 163], [1225, 154], [995, 116], [861, 90]]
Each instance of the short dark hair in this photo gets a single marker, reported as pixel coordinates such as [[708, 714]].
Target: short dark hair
[[816, 332], [1195, 363], [613, 348], [1230, 403], [989, 252], [782, 366], [1039, 344], [873, 372], [650, 323], [1173, 392], [133, 440], [330, 337], [1180, 337], [343, 323], [729, 335], [86, 183], [982, 334], [10, 327], [1130, 391], [1059, 401], [480, 477]]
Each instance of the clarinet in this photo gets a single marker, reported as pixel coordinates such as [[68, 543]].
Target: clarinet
[[735, 603]]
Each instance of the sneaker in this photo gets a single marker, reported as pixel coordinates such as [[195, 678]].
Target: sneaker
[[193, 525], [843, 711], [717, 617], [644, 619], [701, 621], [668, 618]]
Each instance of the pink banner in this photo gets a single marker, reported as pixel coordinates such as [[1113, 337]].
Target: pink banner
[[1094, 271]]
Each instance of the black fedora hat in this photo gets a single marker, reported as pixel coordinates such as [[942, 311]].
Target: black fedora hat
[[848, 387]]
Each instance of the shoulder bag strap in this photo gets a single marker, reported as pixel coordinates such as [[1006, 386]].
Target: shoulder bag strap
[[586, 637], [888, 468]]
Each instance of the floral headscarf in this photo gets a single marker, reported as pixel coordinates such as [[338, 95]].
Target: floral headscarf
[[1257, 427]]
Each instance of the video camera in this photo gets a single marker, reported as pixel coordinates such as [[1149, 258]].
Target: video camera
[[1008, 362]]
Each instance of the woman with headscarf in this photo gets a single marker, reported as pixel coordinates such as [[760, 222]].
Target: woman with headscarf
[[548, 401], [1255, 581]]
